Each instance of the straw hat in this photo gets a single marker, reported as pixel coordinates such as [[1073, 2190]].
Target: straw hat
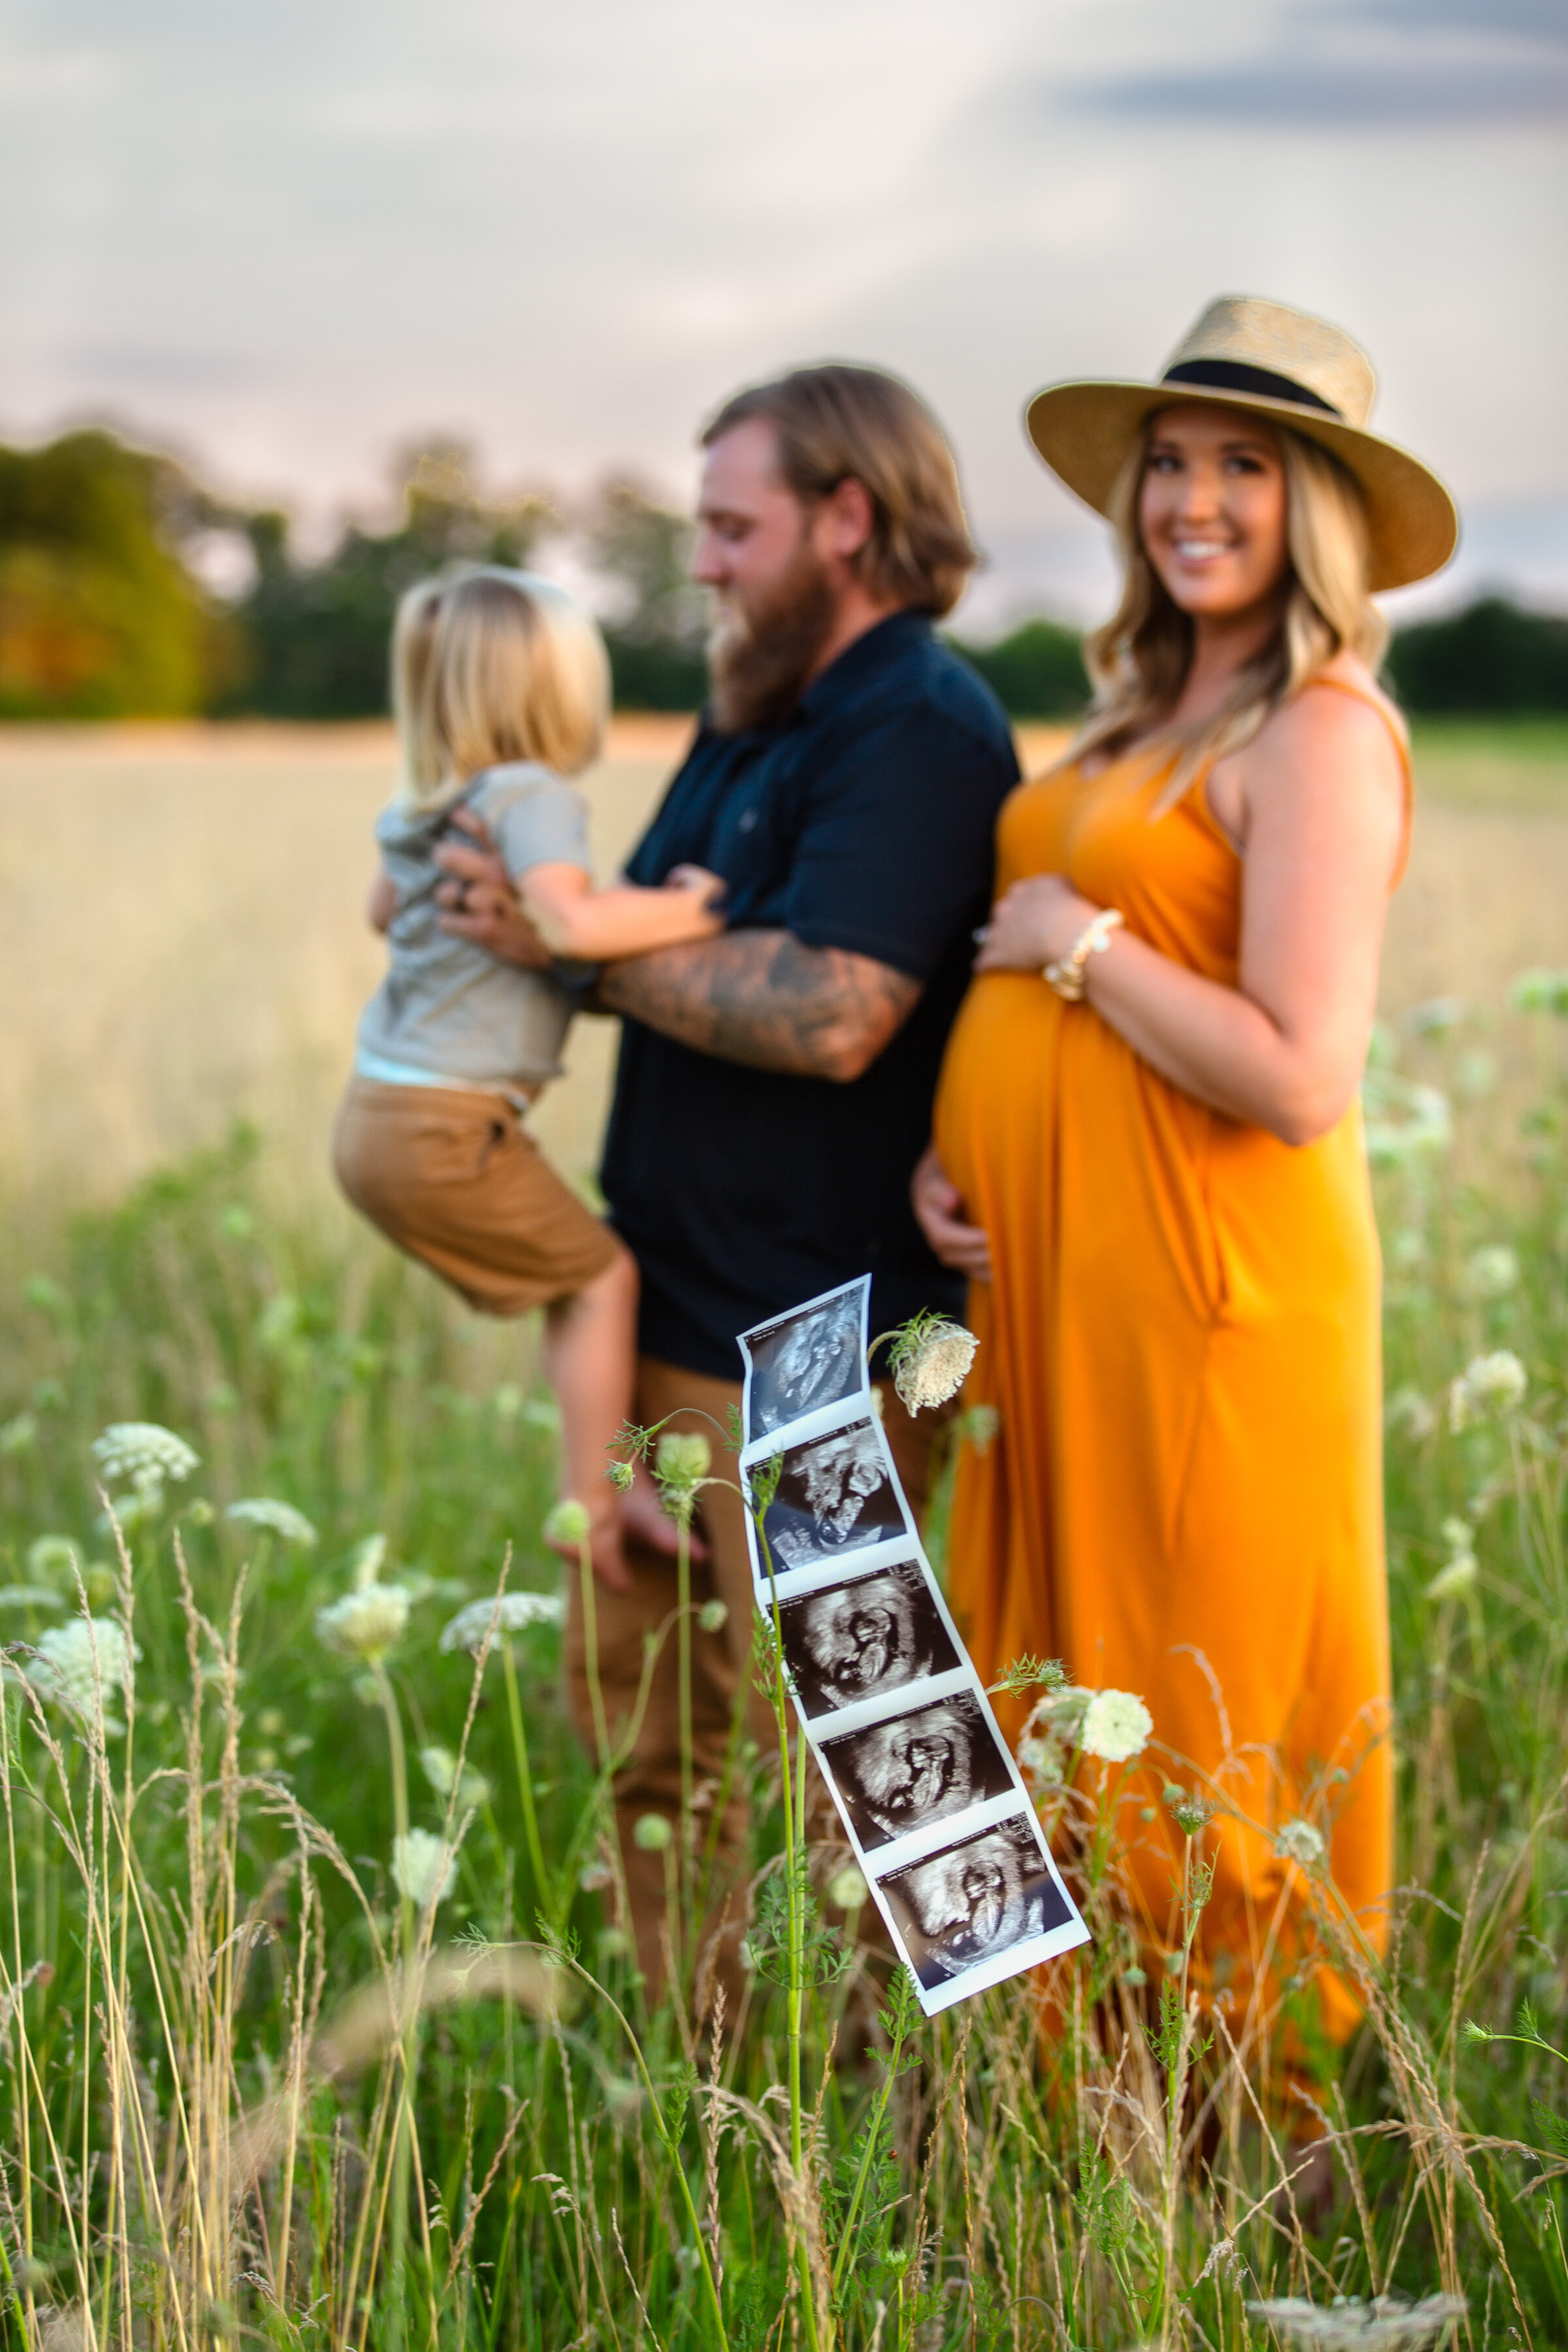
[[1247, 353]]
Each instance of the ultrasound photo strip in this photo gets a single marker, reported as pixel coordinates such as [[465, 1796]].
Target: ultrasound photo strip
[[888, 1696]]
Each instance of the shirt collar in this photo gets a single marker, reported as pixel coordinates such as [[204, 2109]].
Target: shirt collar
[[860, 661]]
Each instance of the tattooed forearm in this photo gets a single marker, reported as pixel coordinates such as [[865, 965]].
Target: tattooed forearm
[[761, 998]]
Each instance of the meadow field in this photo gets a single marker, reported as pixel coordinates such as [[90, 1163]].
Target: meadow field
[[317, 2025]]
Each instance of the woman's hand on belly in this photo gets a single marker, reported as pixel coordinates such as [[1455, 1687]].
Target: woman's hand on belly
[[939, 1211], [1036, 922]]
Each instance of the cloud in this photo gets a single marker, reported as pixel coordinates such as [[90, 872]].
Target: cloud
[[1367, 65], [1329, 94]]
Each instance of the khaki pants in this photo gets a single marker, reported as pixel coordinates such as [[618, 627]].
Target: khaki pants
[[721, 1691]]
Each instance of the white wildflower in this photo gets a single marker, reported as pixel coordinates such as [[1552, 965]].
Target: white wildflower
[[76, 1662], [682, 1457], [652, 1832], [367, 1622], [1300, 1843], [1116, 1727], [1404, 1119], [423, 1870], [1493, 1271], [441, 1768], [1458, 1577], [279, 1519], [514, 1613], [930, 1360], [713, 1616], [30, 1596], [52, 1560], [1489, 1385], [847, 1889], [1349, 2325], [1408, 1411], [142, 1454]]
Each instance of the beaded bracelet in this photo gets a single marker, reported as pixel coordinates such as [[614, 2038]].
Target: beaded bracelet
[[1067, 976]]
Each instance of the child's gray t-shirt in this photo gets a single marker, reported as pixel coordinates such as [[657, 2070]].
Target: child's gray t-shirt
[[447, 1010]]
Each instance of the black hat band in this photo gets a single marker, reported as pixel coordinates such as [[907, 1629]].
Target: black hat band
[[1235, 376]]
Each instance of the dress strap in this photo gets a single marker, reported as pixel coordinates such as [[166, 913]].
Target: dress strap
[[1391, 720]]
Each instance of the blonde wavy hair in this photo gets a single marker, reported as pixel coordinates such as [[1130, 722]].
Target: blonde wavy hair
[[491, 665], [1138, 660]]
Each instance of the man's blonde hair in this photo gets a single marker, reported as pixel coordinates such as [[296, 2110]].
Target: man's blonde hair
[[1138, 660], [491, 665], [837, 424]]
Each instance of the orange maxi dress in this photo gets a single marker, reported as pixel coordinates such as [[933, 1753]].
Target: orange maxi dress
[[1181, 1341]]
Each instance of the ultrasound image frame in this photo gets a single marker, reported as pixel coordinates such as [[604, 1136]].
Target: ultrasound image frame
[[923, 1644], [857, 1759], [840, 1320], [796, 1532], [943, 1959]]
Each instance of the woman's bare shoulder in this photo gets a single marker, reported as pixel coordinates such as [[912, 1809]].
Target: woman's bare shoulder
[[1341, 710]]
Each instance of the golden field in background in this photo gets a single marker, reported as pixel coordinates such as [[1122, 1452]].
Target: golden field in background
[[182, 939]]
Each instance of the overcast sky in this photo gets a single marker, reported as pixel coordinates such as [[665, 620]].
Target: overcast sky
[[287, 237]]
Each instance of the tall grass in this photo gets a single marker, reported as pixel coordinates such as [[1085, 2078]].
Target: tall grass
[[318, 2020]]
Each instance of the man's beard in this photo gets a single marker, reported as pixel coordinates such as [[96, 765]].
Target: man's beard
[[760, 653]]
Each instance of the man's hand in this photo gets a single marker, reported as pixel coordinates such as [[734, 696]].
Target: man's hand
[[939, 1211], [761, 998], [478, 902]]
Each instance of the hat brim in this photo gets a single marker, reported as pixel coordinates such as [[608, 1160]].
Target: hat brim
[[1084, 432]]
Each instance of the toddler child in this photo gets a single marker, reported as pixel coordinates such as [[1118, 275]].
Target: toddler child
[[500, 691]]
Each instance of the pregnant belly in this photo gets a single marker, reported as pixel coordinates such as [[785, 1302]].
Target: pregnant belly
[[997, 1093]]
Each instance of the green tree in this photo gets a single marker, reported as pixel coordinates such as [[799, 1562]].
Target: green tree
[[99, 616], [656, 642], [1037, 672], [316, 635], [1492, 657]]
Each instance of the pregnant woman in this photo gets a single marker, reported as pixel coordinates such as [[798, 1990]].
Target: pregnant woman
[[1148, 1149]]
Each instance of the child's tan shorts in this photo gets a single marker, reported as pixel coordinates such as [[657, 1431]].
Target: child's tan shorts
[[452, 1178]]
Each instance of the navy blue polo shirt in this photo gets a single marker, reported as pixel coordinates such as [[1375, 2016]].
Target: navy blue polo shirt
[[864, 822]]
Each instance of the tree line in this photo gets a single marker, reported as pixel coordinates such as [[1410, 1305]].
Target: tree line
[[106, 608]]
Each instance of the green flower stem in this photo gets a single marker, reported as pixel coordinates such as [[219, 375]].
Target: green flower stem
[[591, 1652], [525, 1776], [794, 1852], [410, 2017], [873, 2133], [683, 1672]]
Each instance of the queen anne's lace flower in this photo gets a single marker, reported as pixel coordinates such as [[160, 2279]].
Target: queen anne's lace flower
[[423, 1870], [1493, 1271], [1302, 1843], [1489, 1385], [929, 1359], [513, 1614], [29, 1596], [365, 1624], [1388, 2322], [1116, 1725], [279, 1519], [441, 1768], [142, 1454], [847, 1889], [75, 1663]]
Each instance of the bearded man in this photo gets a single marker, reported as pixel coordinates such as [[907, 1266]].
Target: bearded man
[[776, 1082]]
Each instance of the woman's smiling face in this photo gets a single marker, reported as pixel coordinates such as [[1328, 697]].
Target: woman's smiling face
[[1211, 509]]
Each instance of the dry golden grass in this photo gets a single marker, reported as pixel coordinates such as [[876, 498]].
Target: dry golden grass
[[181, 935]]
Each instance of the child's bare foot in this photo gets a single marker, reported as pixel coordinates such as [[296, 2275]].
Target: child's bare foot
[[643, 1520]]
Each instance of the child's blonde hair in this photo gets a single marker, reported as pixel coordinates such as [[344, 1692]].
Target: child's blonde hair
[[490, 666]]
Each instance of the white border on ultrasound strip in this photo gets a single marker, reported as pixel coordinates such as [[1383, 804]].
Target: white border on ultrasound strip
[[862, 1282], [875, 1553], [800, 1583], [1028, 1952]]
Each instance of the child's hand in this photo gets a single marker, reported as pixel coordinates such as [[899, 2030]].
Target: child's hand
[[708, 889]]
